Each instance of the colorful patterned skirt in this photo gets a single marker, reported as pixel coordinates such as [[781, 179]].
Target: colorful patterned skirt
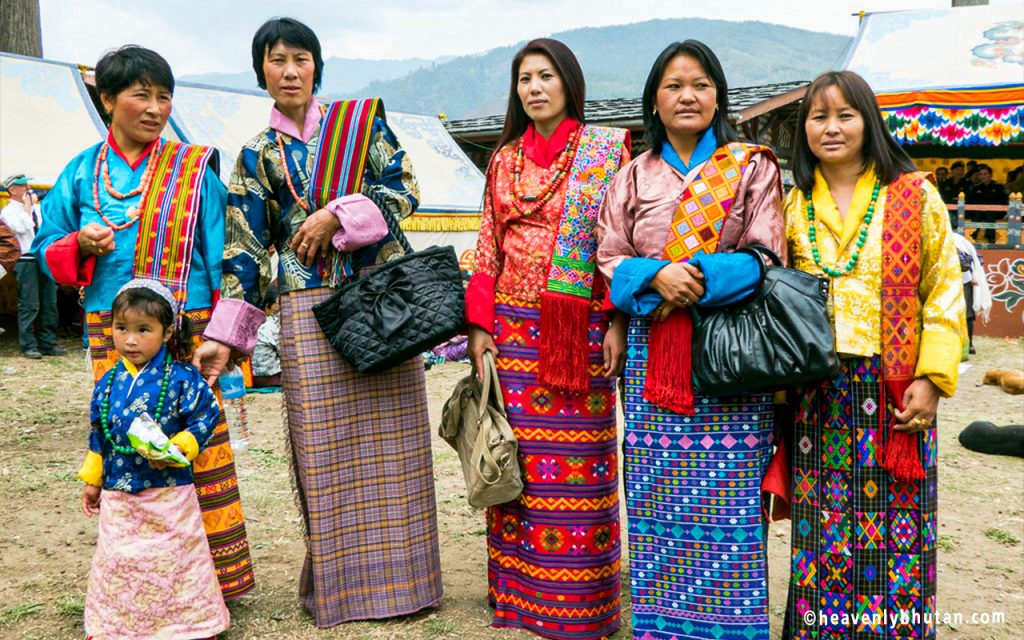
[[151, 575], [863, 544], [697, 554], [215, 480], [363, 470], [553, 564]]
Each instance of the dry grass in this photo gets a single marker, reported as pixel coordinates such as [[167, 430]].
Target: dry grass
[[46, 544]]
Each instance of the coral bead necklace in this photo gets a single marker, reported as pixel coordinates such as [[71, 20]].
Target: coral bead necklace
[[103, 168], [105, 406], [533, 203], [862, 236], [300, 200]]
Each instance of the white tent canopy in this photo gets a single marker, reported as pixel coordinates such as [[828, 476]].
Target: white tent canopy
[[46, 117], [962, 47]]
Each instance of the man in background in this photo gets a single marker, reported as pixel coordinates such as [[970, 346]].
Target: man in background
[[37, 294], [988, 192]]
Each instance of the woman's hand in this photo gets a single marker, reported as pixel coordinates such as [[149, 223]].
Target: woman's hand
[[479, 342], [314, 236], [615, 346], [679, 283], [90, 500], [95, 240], [921, 400], [211, 358]]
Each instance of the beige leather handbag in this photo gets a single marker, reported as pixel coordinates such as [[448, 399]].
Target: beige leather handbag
[[474, 424]]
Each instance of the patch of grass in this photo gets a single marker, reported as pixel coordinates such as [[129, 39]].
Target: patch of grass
[[478, 532], [267, 457], [1002, 537], [70, 606], [948, 543], [995, 567], [778, 610], [439, 627], [11, 615]]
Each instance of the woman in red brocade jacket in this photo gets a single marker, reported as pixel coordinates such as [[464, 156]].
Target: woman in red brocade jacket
[[535, 303]]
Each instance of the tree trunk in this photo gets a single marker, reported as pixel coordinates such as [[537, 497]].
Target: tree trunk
[[968, 3], [20, 29]]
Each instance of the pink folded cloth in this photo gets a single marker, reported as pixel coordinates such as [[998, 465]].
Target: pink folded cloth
[[235, 323], [362, 223]]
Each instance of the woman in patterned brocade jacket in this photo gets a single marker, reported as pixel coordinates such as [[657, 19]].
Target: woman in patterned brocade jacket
[[534, 302], [669, 229], [864, 456]]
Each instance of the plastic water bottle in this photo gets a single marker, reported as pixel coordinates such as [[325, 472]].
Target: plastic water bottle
[[232, 390]]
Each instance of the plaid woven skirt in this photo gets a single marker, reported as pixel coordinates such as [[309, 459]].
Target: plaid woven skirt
[[863, 544], [215, 480], [697, 549], [363, 469], [553, 563]]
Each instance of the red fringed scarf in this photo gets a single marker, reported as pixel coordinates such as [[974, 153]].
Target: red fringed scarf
[[565, 304], [901, 279], [696, 227]]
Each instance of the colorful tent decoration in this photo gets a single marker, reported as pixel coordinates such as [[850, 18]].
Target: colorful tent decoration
[[950, 77]]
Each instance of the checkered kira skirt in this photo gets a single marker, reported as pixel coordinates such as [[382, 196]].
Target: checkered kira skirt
[[863, 544], [363, 473]]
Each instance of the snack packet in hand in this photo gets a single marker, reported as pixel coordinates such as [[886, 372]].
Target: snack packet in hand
[[146, 436]]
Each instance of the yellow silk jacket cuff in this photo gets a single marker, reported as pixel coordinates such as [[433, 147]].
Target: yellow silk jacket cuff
[[187, 443], [939, 360], [92, 469]]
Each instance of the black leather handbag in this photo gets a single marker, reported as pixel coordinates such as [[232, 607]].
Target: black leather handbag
[[397, 311], [781, 335]]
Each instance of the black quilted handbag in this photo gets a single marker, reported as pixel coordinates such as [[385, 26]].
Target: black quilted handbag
[[397, 311], [781, 335]]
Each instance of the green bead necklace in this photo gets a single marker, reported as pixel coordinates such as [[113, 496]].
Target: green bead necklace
[[862, 237], [105, 407]]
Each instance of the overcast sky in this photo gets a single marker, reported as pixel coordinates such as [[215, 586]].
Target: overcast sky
[[199, 36]]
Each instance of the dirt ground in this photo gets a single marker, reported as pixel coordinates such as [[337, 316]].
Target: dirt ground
[[46, 543]]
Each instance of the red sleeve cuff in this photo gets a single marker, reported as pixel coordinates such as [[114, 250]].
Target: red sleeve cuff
[[64, 258], [480, 301]]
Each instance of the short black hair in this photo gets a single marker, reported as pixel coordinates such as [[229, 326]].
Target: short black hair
[[270, 297], [879, 149], [121, 68], [957, 164], [292, 33], [984, 166], [655, 131]]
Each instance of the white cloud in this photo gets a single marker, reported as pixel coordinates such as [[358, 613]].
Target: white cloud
[[206, 35]]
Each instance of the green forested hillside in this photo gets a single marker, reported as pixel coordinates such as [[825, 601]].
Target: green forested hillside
[[616, 61]]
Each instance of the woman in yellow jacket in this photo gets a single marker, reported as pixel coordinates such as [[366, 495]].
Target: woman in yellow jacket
[[864, 444]]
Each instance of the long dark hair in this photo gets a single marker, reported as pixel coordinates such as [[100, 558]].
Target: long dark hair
[[879, 148], [573, 85], [152, 304], [702, 53]]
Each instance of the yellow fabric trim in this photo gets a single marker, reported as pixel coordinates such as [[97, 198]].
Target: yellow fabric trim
[[187, 443], [441, 223], [92, 469], [825, 209], [939, 360], [130, 368]]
